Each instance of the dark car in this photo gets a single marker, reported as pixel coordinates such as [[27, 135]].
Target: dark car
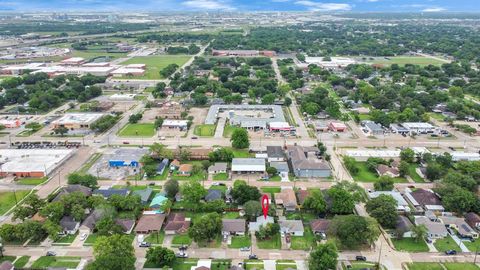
[[194, 138], [252, 257], [451, 252], [360, 258], [183, 247], [51, 253]]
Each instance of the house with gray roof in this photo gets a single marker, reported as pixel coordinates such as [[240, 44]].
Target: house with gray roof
[[233, 226], [305, 163], [254, 226], [435, 230], [248, 165], [291, 227], [218, 167], [281, 166], [69, 225], [72, 188], [144, 194], [213, 194], [275, 153]]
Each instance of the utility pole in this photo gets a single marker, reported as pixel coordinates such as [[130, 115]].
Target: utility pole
[[380, 254], [475, 258], [15, 196]]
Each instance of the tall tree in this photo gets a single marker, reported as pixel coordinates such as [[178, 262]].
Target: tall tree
[[323, 257], [160, 256], [113, 253], [240, 138], [206, 228], [384, 209]]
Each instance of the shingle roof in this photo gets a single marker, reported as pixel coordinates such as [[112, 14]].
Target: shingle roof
[[68, 223], [320, 225], [126, 224], [302, 195], [149, 223], [144, 194], [233, 225], [425, 197], [275, 152], [286, 197], [300, 161], [291, 225], [109, 192], [213, 194]]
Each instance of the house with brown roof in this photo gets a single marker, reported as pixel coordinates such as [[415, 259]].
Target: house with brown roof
[[126, 224], [72, 188], [473, 220], [185, 170], [320, 226], [385, 170], [176, 224], [286, 199], [302, 194], [424, 199], [233, 226], [174, 165], [149, 224]]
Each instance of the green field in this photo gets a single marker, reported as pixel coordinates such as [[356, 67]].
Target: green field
[[365, 175], [95, 53], [410, 245], [157, 63], [413, 173], [273, 243], [403, 60], [65, 240], [21, 262], [50, 261], [240, 241], [204, 130], [445, 244], [137, 130], [31, 181], [7, 199], [181, 239]]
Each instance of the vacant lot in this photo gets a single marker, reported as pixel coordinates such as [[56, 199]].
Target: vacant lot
[[157, 63], [204, 130], [7, 199], [137, 130], [403, 60], [410, 245]]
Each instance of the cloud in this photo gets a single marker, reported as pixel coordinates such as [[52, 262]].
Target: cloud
[[434, 9], [207, 5], [318, 6]]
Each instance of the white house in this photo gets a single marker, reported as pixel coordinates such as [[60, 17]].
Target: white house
[[248, 165]]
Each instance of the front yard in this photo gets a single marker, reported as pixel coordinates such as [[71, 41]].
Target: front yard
[[240, 241], [220, 177], [65, 240], [410, 245], [155, 238], [445, 244], [181, 239], [56, 261], [272, 243], [305, 242]]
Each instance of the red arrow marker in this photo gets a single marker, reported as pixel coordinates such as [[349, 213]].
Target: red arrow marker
[[265, 204]]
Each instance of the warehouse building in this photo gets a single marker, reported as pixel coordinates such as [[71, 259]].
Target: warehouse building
[[246, 116], [419, 127], [32, 162], [77, 120], [248, 165], [174, 124], [459, 156], [363, 155], [372, 128]]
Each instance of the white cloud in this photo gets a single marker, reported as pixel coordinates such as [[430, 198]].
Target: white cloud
[[207, 5], [434, 9], [318, 6]]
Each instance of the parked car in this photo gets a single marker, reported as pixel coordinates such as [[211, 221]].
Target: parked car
[[245, 249], [144, 244], [51, 253], [451, 252], [194, 137], [252, 257], [181, 255], [183, 247], [360, 258]]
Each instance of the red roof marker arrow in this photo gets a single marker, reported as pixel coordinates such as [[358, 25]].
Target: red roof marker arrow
[[265, 205]]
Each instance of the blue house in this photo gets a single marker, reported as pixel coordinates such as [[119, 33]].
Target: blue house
[[158, 202], [161, 167]]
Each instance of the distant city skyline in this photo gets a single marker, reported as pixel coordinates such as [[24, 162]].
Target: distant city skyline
[[245, 5]]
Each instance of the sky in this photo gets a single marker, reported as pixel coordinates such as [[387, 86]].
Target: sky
[[327, 6]]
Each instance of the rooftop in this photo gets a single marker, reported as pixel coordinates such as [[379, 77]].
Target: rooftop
[[78, 118], [32, 160]]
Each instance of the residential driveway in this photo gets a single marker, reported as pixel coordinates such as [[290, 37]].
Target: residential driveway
[[220, 127], [301, 265], [459, 243], [269, 265]]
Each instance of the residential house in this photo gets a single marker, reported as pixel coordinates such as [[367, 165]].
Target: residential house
[[88, 224], [185, 170], [305, 163], [161, 167], [459, 224], [435, 230], [69, 225], [174, 165], [281, 166], [254, 226], [218, 167], [107, 193], [72, 188], [291, 227], [286, 199], [126, 224], [176, 224], [302, 194], [144, 194], [233, 226], [158, 202], [320, 226], [473, 220], [248, 165], [213, 194], [403, 227], [424, 199], [149, 224], [402, 204], [385, 170], [275, 153], [372, 128]]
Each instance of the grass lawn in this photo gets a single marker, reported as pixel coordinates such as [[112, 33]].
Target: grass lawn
[[137, 130], [90, 239], [445, 244], [410, 245], [90, 162], [231, 215], [181, 239], [204, 130], [26, 133], [273, 243], [365, 175], [21, 262], [228, 130], [306, 217], [152, 238], [250, 265], [156, 63], [460, 266], [184, 264], [198, 176], [7, 258], [283, 266], [7, 199], [424, 266], [221, 264], [57, 261], [94, 54], [241, 153], [361, 265], [472, 246], [271, 189], [223, 189], [160, 177], [66, 240], [240, 241], [31, 181], [220, 177], [413, 173], [275, 178], [304, 242], [402, 60]]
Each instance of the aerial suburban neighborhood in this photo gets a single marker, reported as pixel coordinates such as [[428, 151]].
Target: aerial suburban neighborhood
[[332, 136]]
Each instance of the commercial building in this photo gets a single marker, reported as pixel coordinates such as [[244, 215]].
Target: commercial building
[[77, 120], [459, 156], [175, 124], [419, 127], [73, 61], [334, 63], [242, 53], [124, 157], [337, 126], [305, 163], [247, 116], [363, 155], [372, 128], [279, 126], [32, 162], [248, 165], [14, 123], [398, 129]]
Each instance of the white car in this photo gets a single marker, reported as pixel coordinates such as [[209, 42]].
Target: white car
[[83, 236]]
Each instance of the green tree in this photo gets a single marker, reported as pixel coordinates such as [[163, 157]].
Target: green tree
[[243, 193], [53, 211], [353, 231], [171, 188], [407, 155], [60, 131], [342, 201], [272, 171], [384, 183], [193, 192], [207, 228], [160, 256], [221, 154], [113, 253], [268, 99], [384, 209], [315, 202], [419, 232], [240, 138], [86, 180], [52, 229], [252, 209], [323, 257]]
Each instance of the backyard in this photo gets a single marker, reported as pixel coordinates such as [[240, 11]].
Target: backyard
[[365, 175], [156, 63], [137, 130]]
